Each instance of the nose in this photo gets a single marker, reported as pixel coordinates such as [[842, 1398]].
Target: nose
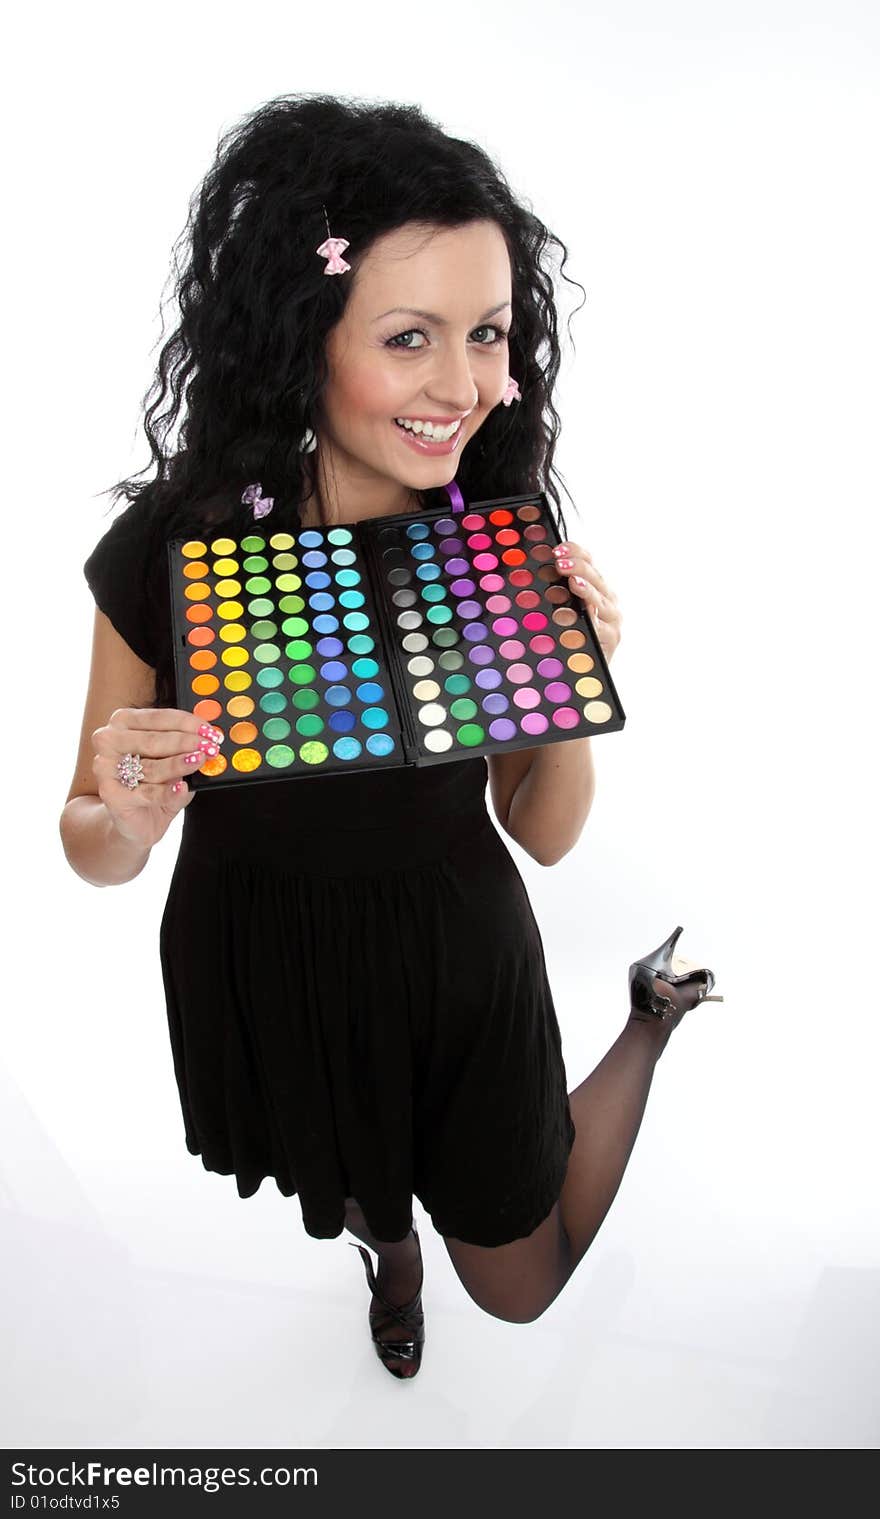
[[452, 384]]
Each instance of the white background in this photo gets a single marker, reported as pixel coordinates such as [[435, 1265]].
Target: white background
[[712, 169]]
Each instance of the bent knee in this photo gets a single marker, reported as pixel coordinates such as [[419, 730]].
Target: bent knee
[[526, 1315], [510, 1305], [516, 1282], [515, 1313]]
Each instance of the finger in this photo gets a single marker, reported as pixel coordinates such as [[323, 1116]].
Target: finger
[[121, 799], [145, 794], [117, 738], [161, 730], [569, 558], [160, 719], [181, 793], [156, 772], [571, 565], [569, 550], [573, 556], [579, 563], [599, 604], [582, 571]]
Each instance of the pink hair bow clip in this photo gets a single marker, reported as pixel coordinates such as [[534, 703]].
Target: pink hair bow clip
[[332, 248], [512, 391], [253, 496]]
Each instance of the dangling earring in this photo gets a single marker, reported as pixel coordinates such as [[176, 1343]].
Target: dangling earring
[[512, 392], [309, 441]]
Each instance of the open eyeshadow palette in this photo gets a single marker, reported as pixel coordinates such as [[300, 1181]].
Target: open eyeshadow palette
[[404, 640]]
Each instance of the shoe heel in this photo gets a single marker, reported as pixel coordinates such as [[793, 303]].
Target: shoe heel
[[659, 965], [642, 973], [662, 956]]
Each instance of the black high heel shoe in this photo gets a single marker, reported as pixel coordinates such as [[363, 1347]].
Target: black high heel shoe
[[410, 1315], [663, 965]]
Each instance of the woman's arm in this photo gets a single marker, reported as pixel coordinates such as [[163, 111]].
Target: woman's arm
[[93, 846], [542, 797]]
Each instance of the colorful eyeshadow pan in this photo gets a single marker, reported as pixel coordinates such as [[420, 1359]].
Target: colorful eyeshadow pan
[[393, 641]]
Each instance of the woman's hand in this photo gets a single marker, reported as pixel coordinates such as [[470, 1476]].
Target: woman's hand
[[172, 744], [575, 565]]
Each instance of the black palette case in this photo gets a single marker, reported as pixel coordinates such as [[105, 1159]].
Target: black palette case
[[403, 640]]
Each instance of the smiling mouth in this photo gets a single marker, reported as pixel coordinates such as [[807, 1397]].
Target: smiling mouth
[[430, 432], [428, 446]]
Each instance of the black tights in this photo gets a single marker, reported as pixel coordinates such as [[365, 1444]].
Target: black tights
[[517, 1282]]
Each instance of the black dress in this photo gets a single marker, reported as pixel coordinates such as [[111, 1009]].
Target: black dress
[[356, 991]]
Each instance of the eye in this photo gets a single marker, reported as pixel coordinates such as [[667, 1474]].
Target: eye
[[500, 335], [395, 342]]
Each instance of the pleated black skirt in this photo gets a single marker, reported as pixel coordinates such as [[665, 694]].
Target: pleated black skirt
[[358, 1004]]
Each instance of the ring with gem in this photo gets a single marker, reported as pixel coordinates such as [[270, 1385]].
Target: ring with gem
[[130, 770]]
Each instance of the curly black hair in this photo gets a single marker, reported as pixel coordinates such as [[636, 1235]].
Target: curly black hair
[[247, 361]]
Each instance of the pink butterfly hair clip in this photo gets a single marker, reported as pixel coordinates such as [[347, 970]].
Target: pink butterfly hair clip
[[253, 496], [331, 249], [512, 391]]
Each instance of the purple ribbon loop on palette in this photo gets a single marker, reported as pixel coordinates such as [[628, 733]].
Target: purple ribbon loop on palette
[[455, 496]]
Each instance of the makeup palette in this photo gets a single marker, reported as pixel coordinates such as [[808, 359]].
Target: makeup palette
[[406, 640]]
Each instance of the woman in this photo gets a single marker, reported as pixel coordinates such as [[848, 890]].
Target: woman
[[357, 997]]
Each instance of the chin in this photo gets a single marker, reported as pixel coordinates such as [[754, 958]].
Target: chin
[[426, 474]]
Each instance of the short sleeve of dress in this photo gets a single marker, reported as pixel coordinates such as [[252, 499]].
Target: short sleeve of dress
[[117, 573]]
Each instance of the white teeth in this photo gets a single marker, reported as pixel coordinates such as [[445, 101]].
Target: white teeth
[[431, 430]]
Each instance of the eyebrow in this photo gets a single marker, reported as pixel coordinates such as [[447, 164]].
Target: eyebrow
[[430, 316]]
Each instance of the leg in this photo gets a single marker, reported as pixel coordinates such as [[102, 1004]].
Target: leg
[[519, 1281], [399, 1270]]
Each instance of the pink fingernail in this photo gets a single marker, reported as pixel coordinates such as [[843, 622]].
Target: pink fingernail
[[578, 579], [176, 787], [565, 564]]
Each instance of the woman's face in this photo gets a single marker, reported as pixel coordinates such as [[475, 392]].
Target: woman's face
[[423, 338]]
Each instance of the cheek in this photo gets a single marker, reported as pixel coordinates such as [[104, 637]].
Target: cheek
[[369, 393]]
